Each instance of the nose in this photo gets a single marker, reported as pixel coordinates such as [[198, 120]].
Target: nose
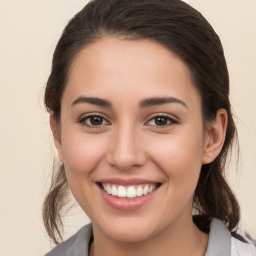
[[126, 150]]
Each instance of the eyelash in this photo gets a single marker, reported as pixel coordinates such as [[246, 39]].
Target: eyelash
[[168, 119], [83, 120]]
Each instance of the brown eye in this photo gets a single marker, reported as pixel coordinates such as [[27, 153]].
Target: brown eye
[[93, 121], [161, 121], [96, 120]]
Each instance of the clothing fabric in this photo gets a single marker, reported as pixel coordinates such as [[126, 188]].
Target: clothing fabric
[[221, 243]]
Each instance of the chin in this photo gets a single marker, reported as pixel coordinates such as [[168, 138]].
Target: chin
[[130, 235], [129, 231]]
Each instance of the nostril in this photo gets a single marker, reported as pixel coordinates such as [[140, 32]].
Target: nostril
[[126, 161], [126, 153]]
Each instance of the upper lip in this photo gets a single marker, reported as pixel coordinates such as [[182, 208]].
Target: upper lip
[[127, 182]]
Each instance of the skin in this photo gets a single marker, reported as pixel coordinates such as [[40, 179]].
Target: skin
[[129, 143]]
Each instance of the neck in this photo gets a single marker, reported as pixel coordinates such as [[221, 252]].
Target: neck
[[186, 240]]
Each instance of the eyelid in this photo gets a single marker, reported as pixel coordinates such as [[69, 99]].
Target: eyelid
[[174, 120], [83, 117]]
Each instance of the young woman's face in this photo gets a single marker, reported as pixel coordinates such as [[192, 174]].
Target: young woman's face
[[131, 124]]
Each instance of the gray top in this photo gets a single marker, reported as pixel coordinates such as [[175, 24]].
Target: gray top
[[219, 239], [78, 245]]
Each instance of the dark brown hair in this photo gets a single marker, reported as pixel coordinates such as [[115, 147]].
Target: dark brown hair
[[183, 30]]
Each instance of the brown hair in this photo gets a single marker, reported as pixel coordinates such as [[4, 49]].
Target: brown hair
[[182, 29]]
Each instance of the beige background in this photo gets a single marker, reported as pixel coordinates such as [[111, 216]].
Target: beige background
[[29, 30]]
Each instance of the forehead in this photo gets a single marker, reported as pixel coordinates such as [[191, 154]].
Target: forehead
[[122, 67]]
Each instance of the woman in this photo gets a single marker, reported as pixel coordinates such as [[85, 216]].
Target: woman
[[139, 108]]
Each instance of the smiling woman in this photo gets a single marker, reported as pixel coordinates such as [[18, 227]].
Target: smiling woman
[[139, 108]]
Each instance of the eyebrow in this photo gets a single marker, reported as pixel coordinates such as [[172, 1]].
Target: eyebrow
[[160, 101], [155, 101], [92, 100]]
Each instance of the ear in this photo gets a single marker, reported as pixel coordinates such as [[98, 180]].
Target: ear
[[56, 135], [215, 136]]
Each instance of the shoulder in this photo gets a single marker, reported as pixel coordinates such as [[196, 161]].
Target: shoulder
[[76, 245], [222, 242], [241, 246]]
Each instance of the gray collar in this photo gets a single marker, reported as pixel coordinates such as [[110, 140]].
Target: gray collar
[[219, 239], [78, 245]]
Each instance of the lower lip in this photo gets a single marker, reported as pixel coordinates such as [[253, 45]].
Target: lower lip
[[127, 204]]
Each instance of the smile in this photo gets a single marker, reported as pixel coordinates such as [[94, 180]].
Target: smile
[[128, 192]]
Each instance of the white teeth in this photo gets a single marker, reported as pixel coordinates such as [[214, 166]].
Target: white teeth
[[109, 189], [114, 191], [121, 192], [139, 191], [145, 190], [129, 191], [151, 188]]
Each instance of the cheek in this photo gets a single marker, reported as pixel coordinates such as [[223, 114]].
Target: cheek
[[82, 152], [180, 159], [179, 151]]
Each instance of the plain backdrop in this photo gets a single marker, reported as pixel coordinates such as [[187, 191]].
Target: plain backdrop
[[29, 30]]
